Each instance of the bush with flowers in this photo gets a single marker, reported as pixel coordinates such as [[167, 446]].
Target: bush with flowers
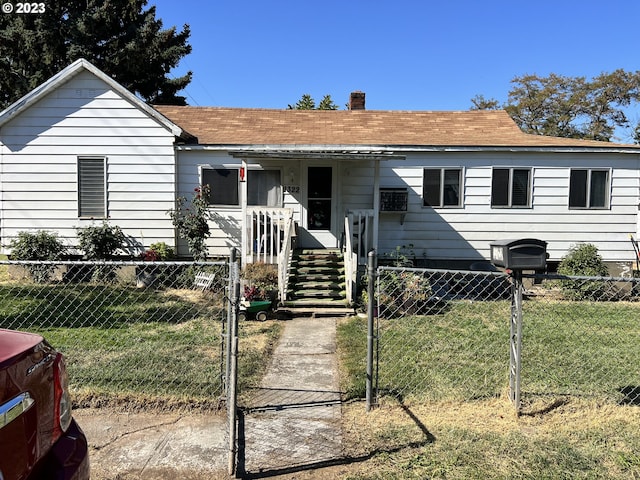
[[192, 221]]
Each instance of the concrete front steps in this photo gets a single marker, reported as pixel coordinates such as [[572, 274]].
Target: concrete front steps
[[316, 285]]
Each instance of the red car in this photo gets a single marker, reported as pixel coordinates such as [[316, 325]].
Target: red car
[[38, 437]]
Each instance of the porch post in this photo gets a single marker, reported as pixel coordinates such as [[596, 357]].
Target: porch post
[[376, 202], [245, 249]]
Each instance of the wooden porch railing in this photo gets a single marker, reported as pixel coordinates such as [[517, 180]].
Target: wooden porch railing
[[358, 241], [270, 234]]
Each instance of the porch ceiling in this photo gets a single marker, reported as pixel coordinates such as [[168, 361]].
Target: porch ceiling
[[316, 155]]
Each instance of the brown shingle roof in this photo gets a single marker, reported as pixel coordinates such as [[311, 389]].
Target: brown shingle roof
[[248, 126]]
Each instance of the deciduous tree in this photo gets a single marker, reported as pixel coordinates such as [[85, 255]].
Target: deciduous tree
[[572, 107]]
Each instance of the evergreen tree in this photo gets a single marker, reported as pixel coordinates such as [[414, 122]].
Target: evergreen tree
[[307, 102], [120, 37]]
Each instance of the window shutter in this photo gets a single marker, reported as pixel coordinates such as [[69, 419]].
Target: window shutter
[[91, 187]]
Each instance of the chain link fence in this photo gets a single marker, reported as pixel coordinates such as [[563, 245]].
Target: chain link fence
[[581, 337], [135, 334], [445, 335]]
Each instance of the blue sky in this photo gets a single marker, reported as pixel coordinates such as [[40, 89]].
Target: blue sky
[[405, 54]]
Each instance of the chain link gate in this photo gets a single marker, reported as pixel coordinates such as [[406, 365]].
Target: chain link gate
[[442, 335]]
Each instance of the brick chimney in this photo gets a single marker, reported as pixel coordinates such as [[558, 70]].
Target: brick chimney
[[356, 101]]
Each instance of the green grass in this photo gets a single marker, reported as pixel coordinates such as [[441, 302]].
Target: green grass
[[579, 348], [444, 412], [136, 347]]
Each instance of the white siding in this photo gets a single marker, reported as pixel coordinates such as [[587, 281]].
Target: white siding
[[226, 225], [465, 233], [84, 117]]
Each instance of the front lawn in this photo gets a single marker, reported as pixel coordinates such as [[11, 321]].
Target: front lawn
[[444, 411], [137, 347]]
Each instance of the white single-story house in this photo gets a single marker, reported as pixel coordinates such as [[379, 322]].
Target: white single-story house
[[444, 185]]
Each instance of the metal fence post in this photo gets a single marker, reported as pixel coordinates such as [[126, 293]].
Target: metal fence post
[[515, 340], [371, 277], [230, 283], [234, 301]]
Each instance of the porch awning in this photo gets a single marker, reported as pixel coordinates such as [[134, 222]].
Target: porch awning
[[316, 154]]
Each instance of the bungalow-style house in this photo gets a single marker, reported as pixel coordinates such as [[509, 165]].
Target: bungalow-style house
[[440, 185]]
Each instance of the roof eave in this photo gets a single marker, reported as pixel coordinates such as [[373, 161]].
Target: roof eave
[[235, 149]]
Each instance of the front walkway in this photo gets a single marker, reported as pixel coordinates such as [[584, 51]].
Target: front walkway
[[294, 420]]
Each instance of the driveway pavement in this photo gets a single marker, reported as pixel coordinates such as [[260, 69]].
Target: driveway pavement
[[292, 423]]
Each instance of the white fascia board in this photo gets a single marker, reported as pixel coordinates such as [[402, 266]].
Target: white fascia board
[[407, 148]]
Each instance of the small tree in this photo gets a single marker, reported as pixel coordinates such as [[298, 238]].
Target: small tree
[[41, 245], [192, 222]]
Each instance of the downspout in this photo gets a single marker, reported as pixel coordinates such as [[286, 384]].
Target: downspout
[[244, 247], [175, 195], [376, 202]]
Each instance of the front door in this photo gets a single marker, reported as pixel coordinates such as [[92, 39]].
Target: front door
[[320, 218]]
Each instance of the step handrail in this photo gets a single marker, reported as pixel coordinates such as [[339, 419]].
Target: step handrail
[[285, 256]]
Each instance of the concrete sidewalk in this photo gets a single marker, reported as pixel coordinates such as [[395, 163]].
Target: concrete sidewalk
[[154, 446], [293, 421]]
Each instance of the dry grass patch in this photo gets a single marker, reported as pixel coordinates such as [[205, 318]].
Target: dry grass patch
[[566, 438]]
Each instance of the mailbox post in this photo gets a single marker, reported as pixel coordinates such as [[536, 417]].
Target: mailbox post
[[516, 256]]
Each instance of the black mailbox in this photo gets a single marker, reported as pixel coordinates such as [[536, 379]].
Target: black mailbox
[[523, 254]]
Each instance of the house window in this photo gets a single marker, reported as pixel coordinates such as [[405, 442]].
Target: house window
[[92, 187], [264, 188], [223, 185], [589, 188], [441, 187], [511, 187]]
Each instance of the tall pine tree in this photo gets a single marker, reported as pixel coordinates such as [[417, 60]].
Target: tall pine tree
[[120, 37]]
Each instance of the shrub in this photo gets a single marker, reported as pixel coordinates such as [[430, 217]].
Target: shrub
[[41, 245], [100, 242], [405, 293], [162, 251], [584, 260], [263, 280]]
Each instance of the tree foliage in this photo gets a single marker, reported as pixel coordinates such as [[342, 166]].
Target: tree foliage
[[120, 37], [571, 107], [307, 102]]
